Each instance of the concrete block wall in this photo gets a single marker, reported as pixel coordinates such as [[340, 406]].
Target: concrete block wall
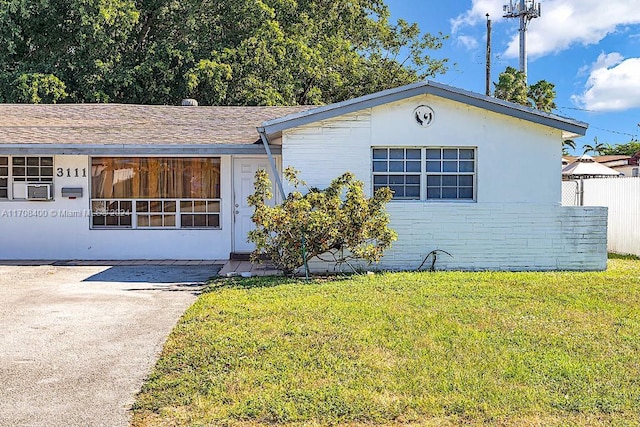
[[512, 237]]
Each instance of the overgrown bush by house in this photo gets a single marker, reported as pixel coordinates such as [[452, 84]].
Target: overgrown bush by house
[[339, 220]]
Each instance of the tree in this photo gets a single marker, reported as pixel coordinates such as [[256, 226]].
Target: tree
[[512, 86], [597, 147], [542, 96], [319, 222], [570, 143], [227, 52], [628, 149]]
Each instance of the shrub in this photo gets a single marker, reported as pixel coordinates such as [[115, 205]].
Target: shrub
[[339, 220]]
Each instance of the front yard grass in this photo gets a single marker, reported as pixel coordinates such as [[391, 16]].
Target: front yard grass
[[444, 348]]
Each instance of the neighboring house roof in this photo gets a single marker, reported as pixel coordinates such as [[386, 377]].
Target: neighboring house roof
[[570, 127], [585, 166], [82, 125]]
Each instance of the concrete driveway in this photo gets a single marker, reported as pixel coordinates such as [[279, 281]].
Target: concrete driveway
[[76, 342]]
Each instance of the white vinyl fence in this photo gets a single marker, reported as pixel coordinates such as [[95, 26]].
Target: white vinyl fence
[[622, 197]]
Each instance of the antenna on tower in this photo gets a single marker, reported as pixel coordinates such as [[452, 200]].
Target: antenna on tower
[[526, 10]]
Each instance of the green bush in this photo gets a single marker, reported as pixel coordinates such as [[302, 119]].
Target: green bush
[[339, 221]]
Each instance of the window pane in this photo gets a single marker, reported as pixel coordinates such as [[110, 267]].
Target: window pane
[[126, 206], [19, 171], [46, 171], [169, 206], [466, 192], [33, 161], [450, 153], [412, 192], [186, 220], [213, 220], [213, 206], [433, 166], [4, 193], [4, 171], [142, 206], [449, 166], [396, 153], [33, 171], [4, 161], [433, 193], [155, 206], [398, 191], [46, 161], [380, 166], [396, 179], [466, 166], [433, 153], [169, 220], [125, 220], [449, 180], [143, 220], [434, 180], [200, 206], [186, 206], [466, 154], [380, 180], [19, 161], [465, 180], [396, 166], [449, 193], [199, 220], [4, 182], [98, 220], [413, 166], [413, 179], [380, 153], [413, 154]]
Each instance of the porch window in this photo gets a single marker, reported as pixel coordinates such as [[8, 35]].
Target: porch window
[[155, 192], [23, 170], [430, 173]]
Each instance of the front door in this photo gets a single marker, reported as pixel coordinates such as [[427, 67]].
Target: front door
[[244, 170]]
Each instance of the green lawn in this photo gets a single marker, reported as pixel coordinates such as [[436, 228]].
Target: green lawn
[[445, 348]]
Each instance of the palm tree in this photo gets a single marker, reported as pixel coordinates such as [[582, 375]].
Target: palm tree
[[568, 143], [596, 148]]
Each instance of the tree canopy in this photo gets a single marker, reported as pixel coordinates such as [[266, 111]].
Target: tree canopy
[[628, 149], [512, 86], [223, 52]]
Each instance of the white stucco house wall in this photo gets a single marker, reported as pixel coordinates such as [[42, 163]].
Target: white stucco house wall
[[472, 175]]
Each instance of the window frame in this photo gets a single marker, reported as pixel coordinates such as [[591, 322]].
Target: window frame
[[424, 174], [134, 214], [12, 178]]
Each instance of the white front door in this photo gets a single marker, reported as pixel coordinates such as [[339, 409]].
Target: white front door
[[244, 170]]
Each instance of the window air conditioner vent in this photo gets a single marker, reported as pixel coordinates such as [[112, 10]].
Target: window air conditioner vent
[[39, 192]]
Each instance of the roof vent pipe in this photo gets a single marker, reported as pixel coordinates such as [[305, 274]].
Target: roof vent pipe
[[189, 102]]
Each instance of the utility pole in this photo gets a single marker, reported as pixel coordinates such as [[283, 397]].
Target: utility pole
[[526, 10], [488, 76]]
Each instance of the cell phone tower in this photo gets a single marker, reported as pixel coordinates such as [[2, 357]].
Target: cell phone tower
[[526, 10]]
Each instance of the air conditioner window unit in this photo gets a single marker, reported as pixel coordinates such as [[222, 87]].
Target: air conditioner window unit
[[39, 192]]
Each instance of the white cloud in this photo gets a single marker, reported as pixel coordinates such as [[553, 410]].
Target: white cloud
[[467, 41], [562, 24], [613, 84]]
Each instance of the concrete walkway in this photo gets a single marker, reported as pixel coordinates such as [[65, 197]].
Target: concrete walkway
[[238, 268], [78, 341]]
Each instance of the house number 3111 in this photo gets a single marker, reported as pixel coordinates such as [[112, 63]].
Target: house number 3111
[[75, 173]]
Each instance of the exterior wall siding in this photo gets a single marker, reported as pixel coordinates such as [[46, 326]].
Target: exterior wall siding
[[60, 229], [516, 221]]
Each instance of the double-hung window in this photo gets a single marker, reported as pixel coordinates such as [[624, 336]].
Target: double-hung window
[[430, 173]]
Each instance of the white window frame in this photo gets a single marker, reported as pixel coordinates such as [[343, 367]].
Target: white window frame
[[11, 178], [424, 174]]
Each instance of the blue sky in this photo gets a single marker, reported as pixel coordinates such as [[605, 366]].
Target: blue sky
[[589, 49]]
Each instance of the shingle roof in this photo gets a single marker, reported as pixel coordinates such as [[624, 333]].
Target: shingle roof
[[126, 124]]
